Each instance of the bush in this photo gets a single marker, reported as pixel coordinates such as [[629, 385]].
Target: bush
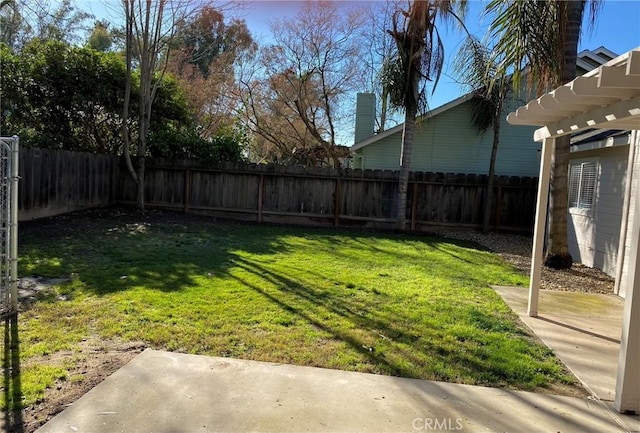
[[227, 145]]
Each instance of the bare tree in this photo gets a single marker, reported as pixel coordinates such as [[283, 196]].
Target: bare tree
[[149, 28], [208, 48], [379, 48], [306, 79]]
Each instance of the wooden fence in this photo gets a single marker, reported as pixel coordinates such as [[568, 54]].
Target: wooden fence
[[330, 197], [56, 181]]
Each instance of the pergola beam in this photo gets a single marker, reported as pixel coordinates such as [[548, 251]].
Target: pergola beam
[[600, 116], [592, 86], [633, 64], [617, 78]]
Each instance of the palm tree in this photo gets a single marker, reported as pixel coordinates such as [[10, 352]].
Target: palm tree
[[419, 58], [478, 70], [543, 37]]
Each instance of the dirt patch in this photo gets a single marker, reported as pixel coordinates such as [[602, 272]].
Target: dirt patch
[[96, 360]]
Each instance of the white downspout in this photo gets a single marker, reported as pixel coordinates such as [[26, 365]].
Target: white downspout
[[539, 227], [633, 139]]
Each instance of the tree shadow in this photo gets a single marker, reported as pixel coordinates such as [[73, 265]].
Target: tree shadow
[[116, 254], [306, 302], [12, 376]]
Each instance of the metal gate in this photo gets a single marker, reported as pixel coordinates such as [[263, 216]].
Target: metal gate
[[8, 225]]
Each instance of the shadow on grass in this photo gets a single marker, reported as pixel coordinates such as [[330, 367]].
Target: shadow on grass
[[12, 377], [112, 256], [308, 303], [404, 347], [117, 253]]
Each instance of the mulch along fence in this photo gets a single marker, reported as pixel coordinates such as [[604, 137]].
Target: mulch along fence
[[61, 181]]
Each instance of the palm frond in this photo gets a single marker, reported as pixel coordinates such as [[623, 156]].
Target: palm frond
[[393, 79], [473, 64], [420, 49], [521, 29]]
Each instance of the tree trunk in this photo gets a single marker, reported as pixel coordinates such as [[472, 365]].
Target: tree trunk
[[558, 256], [384, 101], [492, 170], [142, 150], [141, 172], [405, 163], [127, 90]]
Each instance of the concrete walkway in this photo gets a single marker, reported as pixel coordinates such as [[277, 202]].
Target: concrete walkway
[[582, 329], [164, 392]]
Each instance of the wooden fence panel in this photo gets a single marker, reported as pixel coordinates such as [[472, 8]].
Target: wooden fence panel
[[60, 181], [53, 182], [298, 195], [517, 205], [369, 199], [339, 197], [223, 191]]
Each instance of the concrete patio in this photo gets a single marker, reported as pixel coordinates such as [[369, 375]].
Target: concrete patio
[[582, 329], [164, 392]]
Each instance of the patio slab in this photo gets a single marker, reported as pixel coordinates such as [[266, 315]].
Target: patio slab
[[583, 330], [163, 392]]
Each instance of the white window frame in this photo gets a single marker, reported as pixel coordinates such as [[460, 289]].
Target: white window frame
[[578, 208]]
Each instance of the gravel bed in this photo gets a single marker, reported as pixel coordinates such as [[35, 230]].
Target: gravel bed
[[516, 250]]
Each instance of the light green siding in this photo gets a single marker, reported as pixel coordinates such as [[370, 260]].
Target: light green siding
[[365, 116], [449, 143]]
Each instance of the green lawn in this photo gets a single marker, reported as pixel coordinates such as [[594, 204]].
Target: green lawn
[[390, 304]]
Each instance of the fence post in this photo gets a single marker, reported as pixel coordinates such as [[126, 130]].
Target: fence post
[[13, 224], [336, 205], [260, 194], [187, 189]]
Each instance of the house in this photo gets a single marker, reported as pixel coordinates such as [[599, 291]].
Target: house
[[598, 168], [446, 140], [606, 98]]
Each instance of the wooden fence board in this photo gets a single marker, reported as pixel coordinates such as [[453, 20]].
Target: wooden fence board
[[60, 181], [53, 182]]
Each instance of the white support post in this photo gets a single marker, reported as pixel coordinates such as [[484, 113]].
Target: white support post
[[539, 228], [628, 380], [634, 141]]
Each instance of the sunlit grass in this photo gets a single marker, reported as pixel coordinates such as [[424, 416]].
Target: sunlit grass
[[380, 303]]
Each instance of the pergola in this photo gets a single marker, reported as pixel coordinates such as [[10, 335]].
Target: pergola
[[607, 98]]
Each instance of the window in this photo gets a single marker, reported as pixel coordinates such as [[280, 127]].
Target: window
[[582, 184]]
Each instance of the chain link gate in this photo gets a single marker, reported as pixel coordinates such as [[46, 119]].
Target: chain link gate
[[8, 225]]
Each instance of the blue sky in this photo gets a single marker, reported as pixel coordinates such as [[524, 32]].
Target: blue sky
[[617, 28]]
